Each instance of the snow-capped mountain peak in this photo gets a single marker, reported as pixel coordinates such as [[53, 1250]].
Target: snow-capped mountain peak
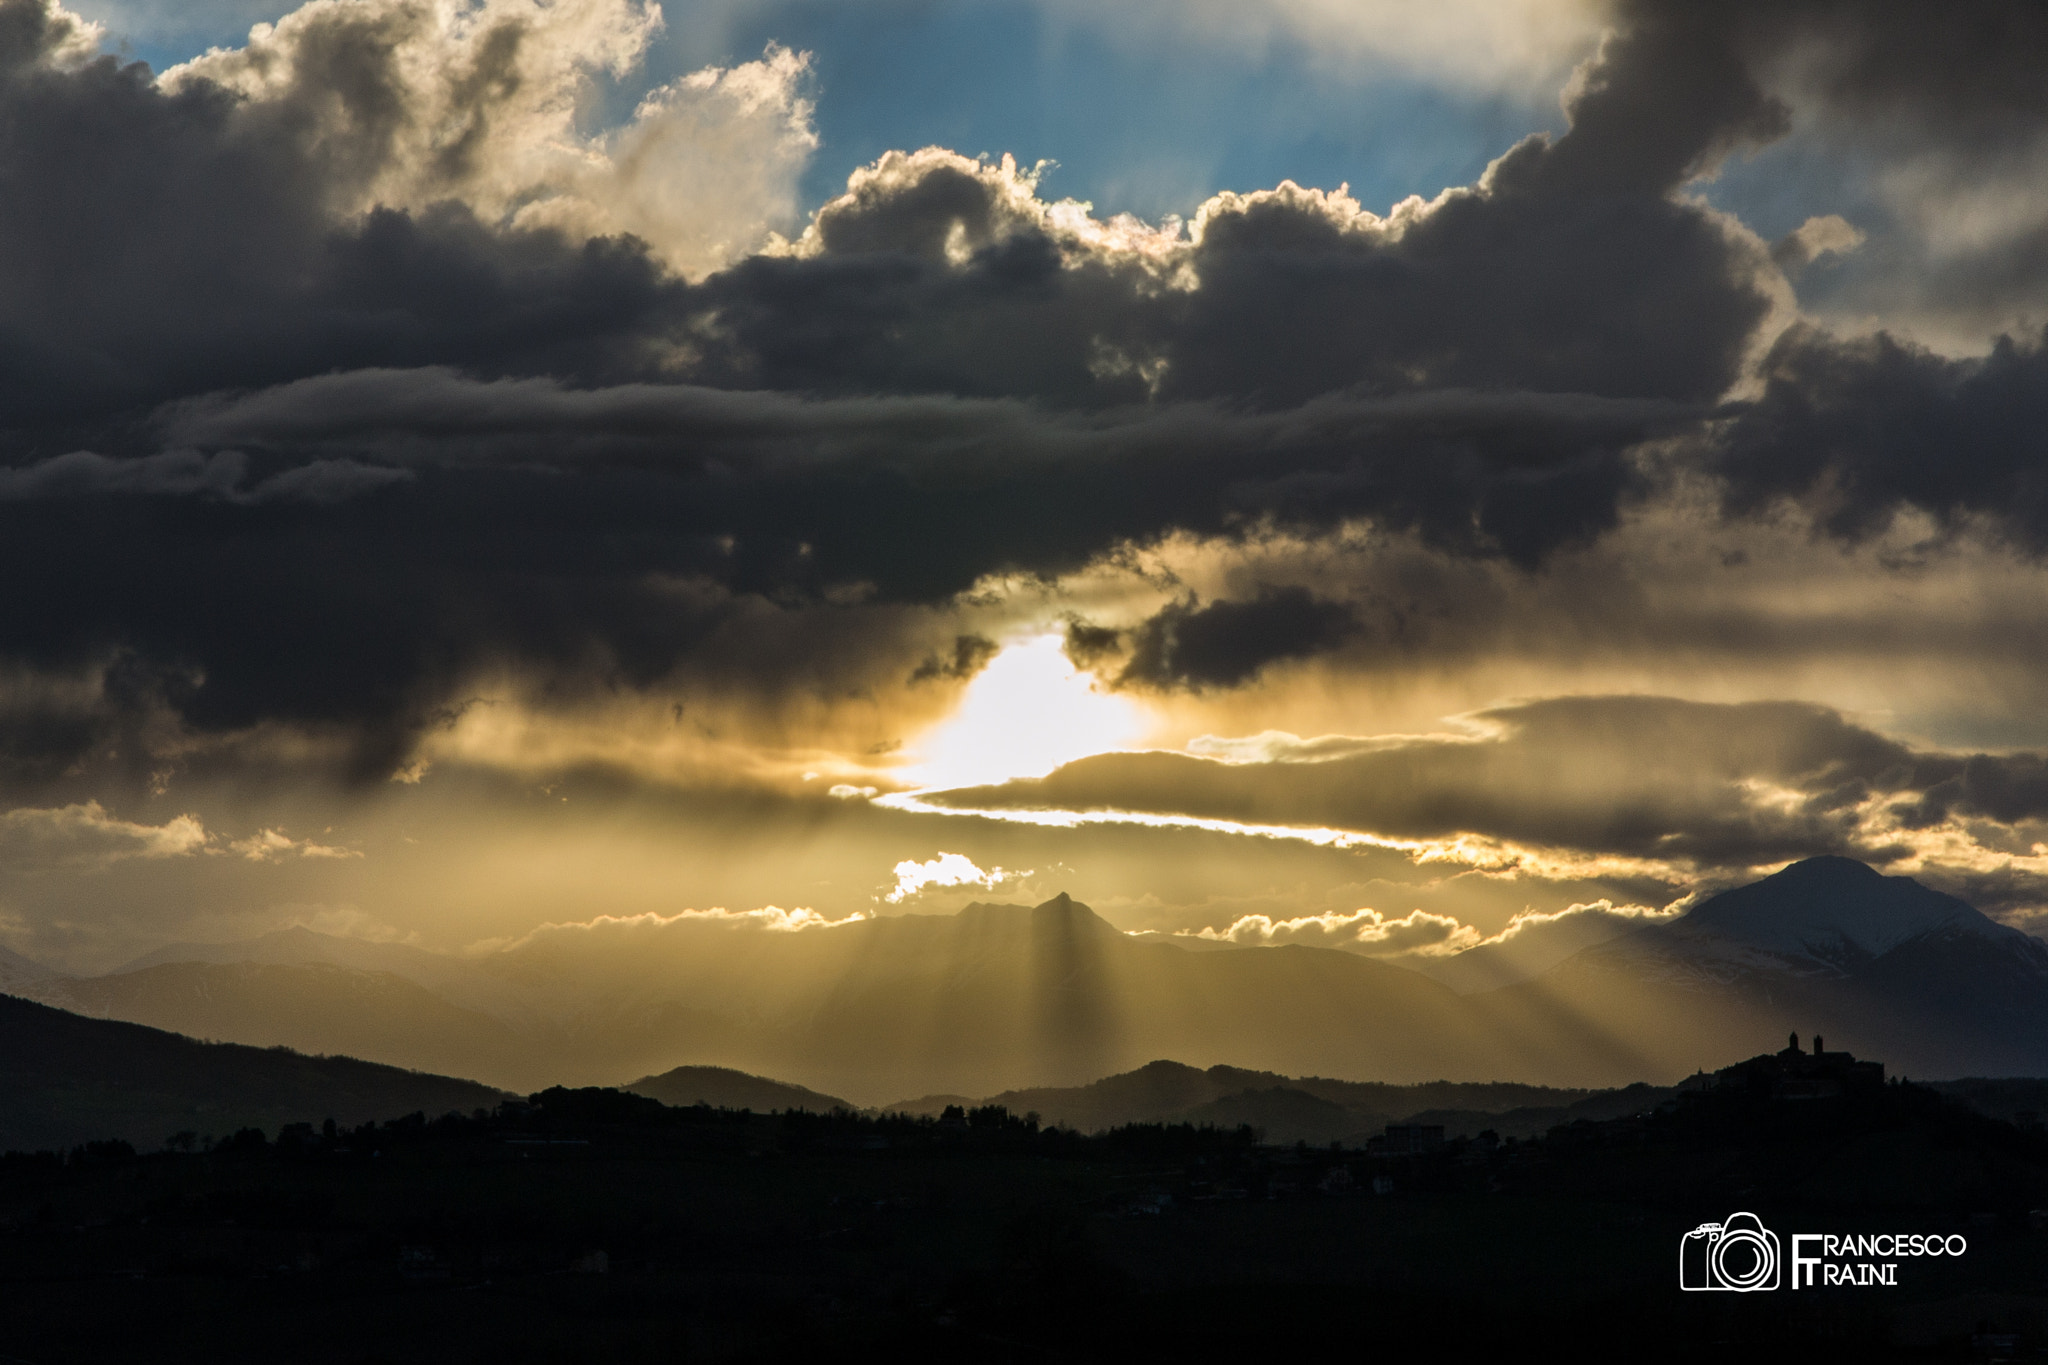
[[1834, 911]]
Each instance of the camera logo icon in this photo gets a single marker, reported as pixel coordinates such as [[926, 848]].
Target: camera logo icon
[[1739, 1254]]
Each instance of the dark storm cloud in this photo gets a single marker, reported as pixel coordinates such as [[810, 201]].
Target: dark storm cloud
[[1940, 117], [162, 243], [1562, 272], [2008, 788], [84, 474], [919, 496], [1861, 429], [597, 538], [275, 462], [1965, 77], [970, 654], [1642, 777], [1858, 429], [1224, 643], [1568, 268], [1558, 275]]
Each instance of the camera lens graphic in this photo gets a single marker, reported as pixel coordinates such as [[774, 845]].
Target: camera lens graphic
[[1743, 1260]]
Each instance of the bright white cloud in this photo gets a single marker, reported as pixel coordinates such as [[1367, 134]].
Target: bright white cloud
[[1529, 942], [85, 835], [767, 919], [1367, 931], [706, 170], [414, 102], [1828, 234], [270, 845], [948, 869], [1529, 924], [77, 38]]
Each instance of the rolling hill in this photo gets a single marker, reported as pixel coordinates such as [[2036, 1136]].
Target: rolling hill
[[65, 1079], [723, 1088], [1313, 1109]]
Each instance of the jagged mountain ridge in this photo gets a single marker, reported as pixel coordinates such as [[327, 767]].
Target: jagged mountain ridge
[[454, 979]]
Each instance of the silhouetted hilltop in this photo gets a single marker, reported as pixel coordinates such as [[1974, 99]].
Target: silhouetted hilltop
[[723, 1088], [1288, 1109], [65, 1079], [1284, 1114]]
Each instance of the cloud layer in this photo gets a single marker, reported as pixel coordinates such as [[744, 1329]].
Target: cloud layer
[[1629, 782], [425, 407], [1020, 387]]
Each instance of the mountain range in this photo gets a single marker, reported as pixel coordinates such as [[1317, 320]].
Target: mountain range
[[1882, 966], [1005, 999]]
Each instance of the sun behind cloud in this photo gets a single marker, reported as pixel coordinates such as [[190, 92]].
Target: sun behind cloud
[[1025, 714]]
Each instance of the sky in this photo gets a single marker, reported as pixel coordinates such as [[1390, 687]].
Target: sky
[[1387, 477]]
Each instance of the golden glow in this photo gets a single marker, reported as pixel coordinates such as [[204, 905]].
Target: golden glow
[[1025, 714]]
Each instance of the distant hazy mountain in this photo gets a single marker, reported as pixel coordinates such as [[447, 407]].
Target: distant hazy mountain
[[1527, 954], [454, 979], [17, 972], [313, 1008], [723, 1088], [66, 1080], [1000, 997], [1823, 917], [1880, 966], [390, 1003], [1000, 994], [992, 997]]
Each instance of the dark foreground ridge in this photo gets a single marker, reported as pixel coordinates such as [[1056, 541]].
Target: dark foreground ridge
[[1313, 1109], [602, 1225], [66, 1079]]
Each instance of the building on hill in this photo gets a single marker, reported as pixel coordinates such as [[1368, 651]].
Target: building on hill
[[1794, 1074]]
